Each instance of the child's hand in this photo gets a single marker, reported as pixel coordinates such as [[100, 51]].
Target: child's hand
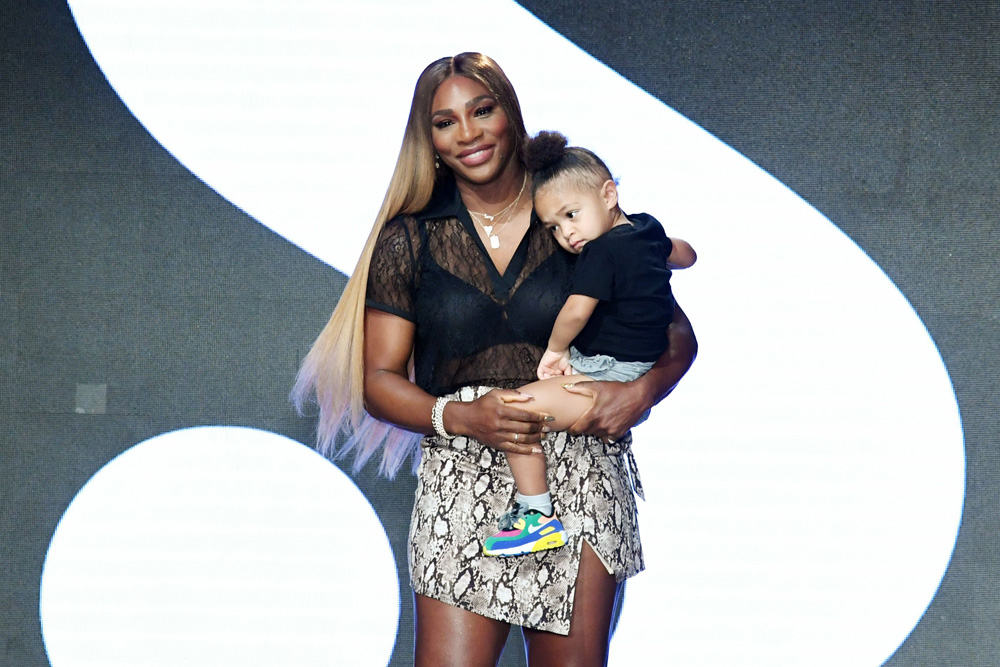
[[554, 364]]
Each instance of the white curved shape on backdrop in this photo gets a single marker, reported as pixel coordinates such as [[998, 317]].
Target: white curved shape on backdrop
[[219, 546], [804, 482]]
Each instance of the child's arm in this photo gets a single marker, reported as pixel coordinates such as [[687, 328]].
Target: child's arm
[[572, 318], [682, 255]]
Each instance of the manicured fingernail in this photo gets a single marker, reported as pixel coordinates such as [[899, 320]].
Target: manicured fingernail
[[567, 385], [546, 429], [525, 394], [549, 418], [536, 450]]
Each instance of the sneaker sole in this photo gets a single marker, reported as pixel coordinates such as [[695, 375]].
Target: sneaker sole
[[550, 541]]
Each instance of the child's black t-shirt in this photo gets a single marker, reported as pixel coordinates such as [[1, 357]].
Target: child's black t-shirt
[[626, 269]]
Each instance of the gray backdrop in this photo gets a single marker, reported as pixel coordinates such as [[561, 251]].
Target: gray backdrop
[[119, 268]]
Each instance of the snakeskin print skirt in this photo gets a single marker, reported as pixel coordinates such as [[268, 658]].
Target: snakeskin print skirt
[[462, 489]]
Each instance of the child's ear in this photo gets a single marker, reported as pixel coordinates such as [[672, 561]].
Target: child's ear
[[609, 191]]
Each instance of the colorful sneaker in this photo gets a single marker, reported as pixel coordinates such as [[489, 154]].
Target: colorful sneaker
[[523, 532]]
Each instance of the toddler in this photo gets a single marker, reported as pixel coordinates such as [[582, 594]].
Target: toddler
[[613, 325]]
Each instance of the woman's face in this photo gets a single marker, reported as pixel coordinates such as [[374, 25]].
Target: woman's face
[[470, 130]]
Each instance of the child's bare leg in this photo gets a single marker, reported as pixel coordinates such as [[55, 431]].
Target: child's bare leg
[[551, 399], [532, 525], [529, 473]]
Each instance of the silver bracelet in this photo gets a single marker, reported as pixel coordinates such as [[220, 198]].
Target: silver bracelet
[[437, 417]]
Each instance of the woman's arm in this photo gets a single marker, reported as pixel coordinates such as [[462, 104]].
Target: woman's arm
[[618, 405], [392, 398]]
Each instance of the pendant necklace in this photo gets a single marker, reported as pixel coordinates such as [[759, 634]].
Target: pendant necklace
[[509, 209]]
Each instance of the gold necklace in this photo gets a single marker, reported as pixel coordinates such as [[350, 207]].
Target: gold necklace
[[510, 209]]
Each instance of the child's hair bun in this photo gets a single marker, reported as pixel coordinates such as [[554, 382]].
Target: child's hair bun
[[544, 150]]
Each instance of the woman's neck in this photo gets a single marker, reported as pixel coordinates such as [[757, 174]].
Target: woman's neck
[[493, 196]]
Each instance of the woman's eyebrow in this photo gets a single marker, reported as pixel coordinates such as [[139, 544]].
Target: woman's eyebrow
[[471, 103], [476, 100]]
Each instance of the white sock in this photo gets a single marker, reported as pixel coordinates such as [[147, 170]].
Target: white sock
[[542, 502]]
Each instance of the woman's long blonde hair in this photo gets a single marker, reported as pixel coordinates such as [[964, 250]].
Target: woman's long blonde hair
[[333, 371]]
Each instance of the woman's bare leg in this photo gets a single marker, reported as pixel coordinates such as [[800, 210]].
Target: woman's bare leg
[[451, 637], [586, 645], [552, 399]]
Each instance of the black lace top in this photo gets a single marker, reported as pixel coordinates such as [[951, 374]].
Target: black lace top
[[474, 325]]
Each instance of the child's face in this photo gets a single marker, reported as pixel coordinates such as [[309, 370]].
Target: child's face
[[576, 214]]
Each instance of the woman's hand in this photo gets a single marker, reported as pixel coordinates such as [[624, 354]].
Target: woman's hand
[[496, 420], [617, 406]]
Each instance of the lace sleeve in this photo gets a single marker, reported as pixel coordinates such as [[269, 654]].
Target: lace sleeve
[[391, 278]]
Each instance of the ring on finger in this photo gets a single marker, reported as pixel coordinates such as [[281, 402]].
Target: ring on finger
[[516, 436]]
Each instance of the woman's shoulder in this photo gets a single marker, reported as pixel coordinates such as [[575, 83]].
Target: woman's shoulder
[[398, 240], [443, 205], [402, 226]]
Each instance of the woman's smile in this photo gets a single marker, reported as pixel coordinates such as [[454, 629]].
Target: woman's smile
[[476, 156]]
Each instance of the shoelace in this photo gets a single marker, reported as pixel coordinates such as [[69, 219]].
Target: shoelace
[[509, 518]]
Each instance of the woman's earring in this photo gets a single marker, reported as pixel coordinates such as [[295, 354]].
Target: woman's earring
[[437, 163]]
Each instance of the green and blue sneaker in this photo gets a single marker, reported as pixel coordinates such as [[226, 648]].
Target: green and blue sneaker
[[524, 532]]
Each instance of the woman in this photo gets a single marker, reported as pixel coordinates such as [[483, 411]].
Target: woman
[[449, 309]]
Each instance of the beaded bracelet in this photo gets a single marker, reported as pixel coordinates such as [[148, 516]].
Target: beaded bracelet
[[437, 417]]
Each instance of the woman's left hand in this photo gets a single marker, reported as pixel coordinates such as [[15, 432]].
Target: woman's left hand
[[617, 407]]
